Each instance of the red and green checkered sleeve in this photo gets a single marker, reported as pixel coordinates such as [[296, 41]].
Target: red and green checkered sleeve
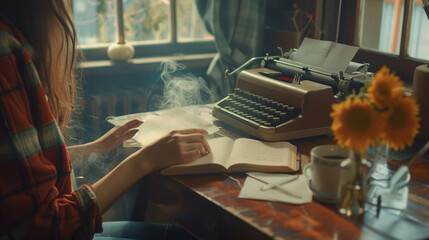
[[36, 199]]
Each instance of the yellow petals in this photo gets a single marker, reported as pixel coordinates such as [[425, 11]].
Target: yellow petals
[[385, 87], [355, 124], [402, 123], [385, 115]]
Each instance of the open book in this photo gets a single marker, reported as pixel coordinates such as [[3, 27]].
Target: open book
[[241, 155]]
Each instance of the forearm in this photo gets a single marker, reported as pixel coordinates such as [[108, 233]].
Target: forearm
[[112, 186], [86, 148], [176, 147], [83, 151]]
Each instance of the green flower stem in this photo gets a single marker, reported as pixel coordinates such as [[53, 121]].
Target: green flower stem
[[352, 201]]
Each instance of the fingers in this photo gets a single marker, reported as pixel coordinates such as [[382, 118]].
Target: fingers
[[190, 143], [190, 131], [115, 136], [198, 138], [194, 135], [196, 146], [129, 134], [134, 123], [194, 138], [191, 155], [129, 125], [179, 146]]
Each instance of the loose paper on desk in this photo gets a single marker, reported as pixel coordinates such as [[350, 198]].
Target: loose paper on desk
[[252, 188], [173, 119], [325, 54]]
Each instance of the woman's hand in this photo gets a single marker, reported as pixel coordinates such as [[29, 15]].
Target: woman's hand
[[105, 143], [178, 146], [115, 136]]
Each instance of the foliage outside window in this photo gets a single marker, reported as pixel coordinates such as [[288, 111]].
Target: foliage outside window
[[145, 22]]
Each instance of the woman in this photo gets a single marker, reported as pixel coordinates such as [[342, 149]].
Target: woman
[[37, 92]]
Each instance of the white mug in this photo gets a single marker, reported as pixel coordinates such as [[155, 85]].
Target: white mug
[[325, 173]]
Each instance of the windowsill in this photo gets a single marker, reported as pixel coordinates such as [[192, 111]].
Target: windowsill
[[107, 67], [402, 66]]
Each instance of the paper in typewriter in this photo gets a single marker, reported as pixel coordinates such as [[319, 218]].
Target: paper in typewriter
[[325, 54]]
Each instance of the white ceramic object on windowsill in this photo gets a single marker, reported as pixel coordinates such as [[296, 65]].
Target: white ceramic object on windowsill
[[120, 51]]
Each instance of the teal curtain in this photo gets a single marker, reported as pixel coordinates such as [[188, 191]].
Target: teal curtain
[[237, 26]]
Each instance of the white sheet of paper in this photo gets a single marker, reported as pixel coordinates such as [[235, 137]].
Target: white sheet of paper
[[339, 57], [325, 54], [252, 188], [173, 119], [120, 120], [312, 52]]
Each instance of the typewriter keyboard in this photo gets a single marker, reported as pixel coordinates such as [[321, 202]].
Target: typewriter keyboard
[[255, 110]]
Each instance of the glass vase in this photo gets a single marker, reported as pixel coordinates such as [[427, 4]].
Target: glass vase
[[379, 173], [382, 154], [352, 193]]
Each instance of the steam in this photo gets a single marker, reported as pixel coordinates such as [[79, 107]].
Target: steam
[[182, 89], [95, 166], [179, 89]]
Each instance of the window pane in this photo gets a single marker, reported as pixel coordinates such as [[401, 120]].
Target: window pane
[[147, 20], [190, 27], [382, 25], [144, 20], [95, 21], [419, 35]]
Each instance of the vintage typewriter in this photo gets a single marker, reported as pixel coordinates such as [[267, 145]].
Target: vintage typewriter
[[285, 100]]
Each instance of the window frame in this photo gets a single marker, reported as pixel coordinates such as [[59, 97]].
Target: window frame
[[171, 47], [154, 50], [402, 64]]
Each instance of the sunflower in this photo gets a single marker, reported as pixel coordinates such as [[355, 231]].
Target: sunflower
[[355, 124], [402, 123], [385, 87]]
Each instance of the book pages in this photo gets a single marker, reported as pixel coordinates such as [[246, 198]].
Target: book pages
[[254, 152]]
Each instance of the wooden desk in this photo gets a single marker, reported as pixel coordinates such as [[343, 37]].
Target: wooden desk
[[209, 207]]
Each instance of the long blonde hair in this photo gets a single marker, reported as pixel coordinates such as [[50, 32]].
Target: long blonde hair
[[48, 26]]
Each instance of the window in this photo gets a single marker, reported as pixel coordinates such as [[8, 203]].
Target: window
[[394, 33], [419, 35], [146, 23], [382, 25]]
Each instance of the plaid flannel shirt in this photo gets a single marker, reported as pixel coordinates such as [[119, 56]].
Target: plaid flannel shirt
[[36, 197]]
